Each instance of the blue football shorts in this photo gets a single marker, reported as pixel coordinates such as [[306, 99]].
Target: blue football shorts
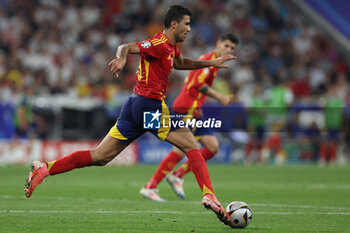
[[140, 114]]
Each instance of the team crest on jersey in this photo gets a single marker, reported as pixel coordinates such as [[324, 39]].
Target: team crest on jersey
[[145, 44]]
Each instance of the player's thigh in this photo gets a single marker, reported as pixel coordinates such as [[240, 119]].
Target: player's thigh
[[211, 142], [108, 149], [183, 139]]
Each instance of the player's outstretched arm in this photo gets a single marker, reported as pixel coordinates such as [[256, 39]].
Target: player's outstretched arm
[[182, 63], [118, 63], [223, 99]]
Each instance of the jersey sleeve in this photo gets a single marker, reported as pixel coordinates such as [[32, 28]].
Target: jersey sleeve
[[147, 48]]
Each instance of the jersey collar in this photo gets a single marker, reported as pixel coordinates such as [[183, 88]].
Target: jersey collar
[[167, 38]]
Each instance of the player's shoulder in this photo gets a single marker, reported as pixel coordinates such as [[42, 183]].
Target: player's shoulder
[[158, 39], [208, 56]]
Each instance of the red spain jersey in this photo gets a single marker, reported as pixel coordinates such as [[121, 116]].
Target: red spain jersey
[[190, 100], [157, 60]]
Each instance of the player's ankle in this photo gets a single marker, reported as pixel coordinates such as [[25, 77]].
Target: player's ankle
[[45, 170], [150, 186]]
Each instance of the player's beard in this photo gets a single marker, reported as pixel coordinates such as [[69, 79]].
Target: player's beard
[[180, 38]]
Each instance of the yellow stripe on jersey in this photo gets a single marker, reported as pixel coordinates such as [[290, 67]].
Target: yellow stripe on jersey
[[147, 69], [202, 76], [164, 129], [159, 39], [190, 84], [114, 132], [162, 94], [162, 37], [186, 79], [159, 42], [193, 107], [139, 75]]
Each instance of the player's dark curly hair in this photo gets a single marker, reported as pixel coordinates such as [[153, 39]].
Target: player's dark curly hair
[[229, 36], [175, 12]]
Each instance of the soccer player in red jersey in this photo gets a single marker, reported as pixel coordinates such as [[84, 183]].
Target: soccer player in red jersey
[[158, 56], [189, 102]]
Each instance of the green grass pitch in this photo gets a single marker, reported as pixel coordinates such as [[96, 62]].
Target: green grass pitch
[[106, 199]]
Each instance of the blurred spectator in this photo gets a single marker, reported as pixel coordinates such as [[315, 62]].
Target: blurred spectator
[[317, 78]]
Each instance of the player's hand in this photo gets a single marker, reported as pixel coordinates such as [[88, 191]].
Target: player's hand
[[116, 65], [219, 62], [226, 99]]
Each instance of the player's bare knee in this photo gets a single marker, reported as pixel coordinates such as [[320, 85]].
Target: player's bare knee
[[211, 143], [178, 151], [190, 146], [194, 145], [214, 147], [197, 145]]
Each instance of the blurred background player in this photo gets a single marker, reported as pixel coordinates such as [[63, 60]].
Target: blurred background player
[[257, 114], [159, 55], [279, 98], [196, 88], [334, 122]]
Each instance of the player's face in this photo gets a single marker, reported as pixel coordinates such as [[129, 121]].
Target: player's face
[[182, 29], [225, 47]]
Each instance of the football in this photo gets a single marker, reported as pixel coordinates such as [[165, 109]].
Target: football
[[240, 214]]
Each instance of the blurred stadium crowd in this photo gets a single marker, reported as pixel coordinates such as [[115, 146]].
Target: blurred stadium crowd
[[54, 48]]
